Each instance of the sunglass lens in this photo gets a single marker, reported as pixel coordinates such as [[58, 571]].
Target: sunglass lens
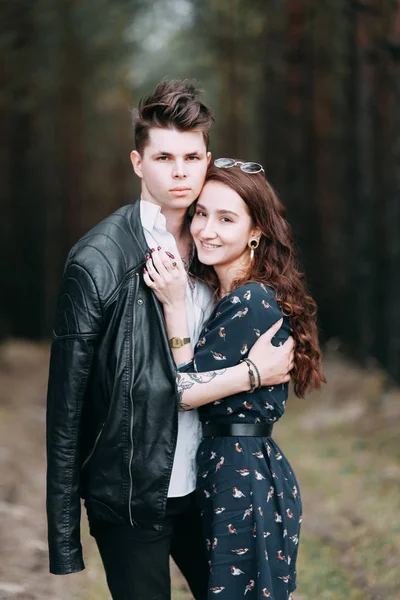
[[251, 167], [224, 163]]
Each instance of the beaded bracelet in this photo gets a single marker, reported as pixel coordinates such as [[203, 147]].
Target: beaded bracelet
[[251, 376], [256, 370]]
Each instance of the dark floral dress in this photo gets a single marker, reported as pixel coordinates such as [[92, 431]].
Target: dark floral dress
[[247, 492]]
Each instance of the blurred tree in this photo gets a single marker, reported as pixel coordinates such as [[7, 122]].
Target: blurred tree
[[388, 155], [361, 256], [65, 115], [309, 89]]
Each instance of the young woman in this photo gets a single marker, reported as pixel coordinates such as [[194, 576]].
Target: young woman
[[248, 494]]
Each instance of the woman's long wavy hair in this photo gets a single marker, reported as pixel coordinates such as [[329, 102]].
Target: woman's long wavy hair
[[276, 265]]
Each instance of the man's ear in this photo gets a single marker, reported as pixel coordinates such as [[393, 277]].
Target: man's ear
[[136, 161], [208, 157]]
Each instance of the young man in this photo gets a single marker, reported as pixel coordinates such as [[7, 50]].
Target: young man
[[114, 435]]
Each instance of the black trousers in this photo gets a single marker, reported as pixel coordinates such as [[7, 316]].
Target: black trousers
[[136, 560]]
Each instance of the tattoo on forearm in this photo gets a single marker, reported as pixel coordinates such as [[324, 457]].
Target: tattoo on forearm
[[182, 384], [185, 381]]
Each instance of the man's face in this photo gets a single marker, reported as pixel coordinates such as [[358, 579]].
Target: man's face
[[172, 167]]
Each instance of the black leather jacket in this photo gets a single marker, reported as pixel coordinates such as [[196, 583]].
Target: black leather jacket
[[112, 414]]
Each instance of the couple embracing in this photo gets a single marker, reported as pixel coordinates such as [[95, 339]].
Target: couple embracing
[[180, 321]]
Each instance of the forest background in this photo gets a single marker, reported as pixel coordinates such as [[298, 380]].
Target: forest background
[[308, 88]]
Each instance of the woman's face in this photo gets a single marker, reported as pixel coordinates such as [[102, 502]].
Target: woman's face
[[222, 227]]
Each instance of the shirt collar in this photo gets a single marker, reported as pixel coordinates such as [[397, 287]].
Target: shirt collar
[[152, 217]]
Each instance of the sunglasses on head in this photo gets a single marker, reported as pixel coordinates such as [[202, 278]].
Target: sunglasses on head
[[247, 167]]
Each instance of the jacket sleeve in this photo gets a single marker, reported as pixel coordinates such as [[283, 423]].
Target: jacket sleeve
[[77, 326]]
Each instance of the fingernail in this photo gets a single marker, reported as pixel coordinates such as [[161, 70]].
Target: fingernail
[[144, 270], [158, 247], [147, 256], [153, 250], [169, 254]]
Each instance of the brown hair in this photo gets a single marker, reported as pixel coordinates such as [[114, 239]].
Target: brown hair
[[173, 104], [275, 265]]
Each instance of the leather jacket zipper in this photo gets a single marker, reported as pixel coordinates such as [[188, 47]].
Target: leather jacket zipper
[[132, 521], [94, 446], [173, 371]]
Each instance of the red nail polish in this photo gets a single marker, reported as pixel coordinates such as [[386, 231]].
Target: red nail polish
[[169, 254], [153, 250], [158, 247], [147, 256], [144, 270]]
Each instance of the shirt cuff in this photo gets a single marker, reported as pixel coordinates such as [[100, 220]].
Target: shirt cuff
[[186, 367]]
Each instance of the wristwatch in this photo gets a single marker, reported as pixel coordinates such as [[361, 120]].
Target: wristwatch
[[177, 342]]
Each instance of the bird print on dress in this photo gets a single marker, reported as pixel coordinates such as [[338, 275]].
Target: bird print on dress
[[240, 551], [243, 472], [219, 510], [235, 571], [248, 512], [232, 529], [218, 355], [236, 493], [220, 463], [259, 454], [247, 405], [249, 587], [254, 506], [240, 314]]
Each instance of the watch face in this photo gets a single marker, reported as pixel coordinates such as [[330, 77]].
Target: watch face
[[177, 342]]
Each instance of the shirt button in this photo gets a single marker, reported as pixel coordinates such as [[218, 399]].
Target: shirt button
[[140, 301]]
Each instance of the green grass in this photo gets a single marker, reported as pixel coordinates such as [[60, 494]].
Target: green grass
[[349, 473]]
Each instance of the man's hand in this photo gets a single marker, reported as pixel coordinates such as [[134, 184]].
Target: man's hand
[[273, 362]]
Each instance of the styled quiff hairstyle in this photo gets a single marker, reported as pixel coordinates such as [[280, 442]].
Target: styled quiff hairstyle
[[173, 104]]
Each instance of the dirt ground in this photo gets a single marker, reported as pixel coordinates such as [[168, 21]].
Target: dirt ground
[[342, 442]]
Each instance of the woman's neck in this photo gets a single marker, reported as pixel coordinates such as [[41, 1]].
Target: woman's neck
[[228, 275]]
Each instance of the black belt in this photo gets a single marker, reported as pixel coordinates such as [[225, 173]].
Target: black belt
[[249, 429]]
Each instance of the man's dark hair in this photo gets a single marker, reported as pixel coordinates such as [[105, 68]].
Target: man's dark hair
[[173, 104]]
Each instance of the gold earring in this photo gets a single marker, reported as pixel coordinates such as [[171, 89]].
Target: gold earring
[[253, 244]]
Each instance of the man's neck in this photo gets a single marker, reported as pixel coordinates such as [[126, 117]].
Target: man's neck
[[176, 222]]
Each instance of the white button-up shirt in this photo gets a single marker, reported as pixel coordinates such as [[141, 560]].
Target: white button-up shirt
[[199, 306]]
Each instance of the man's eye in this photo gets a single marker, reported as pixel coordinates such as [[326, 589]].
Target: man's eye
[[193, 157], [162, 158]]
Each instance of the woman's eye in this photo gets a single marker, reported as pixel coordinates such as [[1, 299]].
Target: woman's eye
[[200, 213], [226, 220]]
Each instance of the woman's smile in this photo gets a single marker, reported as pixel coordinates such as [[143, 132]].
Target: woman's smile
[[208, 246]]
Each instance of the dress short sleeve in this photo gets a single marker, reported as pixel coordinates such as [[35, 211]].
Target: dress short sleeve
[[235, 324]]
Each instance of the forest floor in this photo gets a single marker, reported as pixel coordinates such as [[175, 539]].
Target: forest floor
[[343, 444]]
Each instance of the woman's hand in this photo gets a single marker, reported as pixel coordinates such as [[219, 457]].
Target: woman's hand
[[273, 362], [166, 276]]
